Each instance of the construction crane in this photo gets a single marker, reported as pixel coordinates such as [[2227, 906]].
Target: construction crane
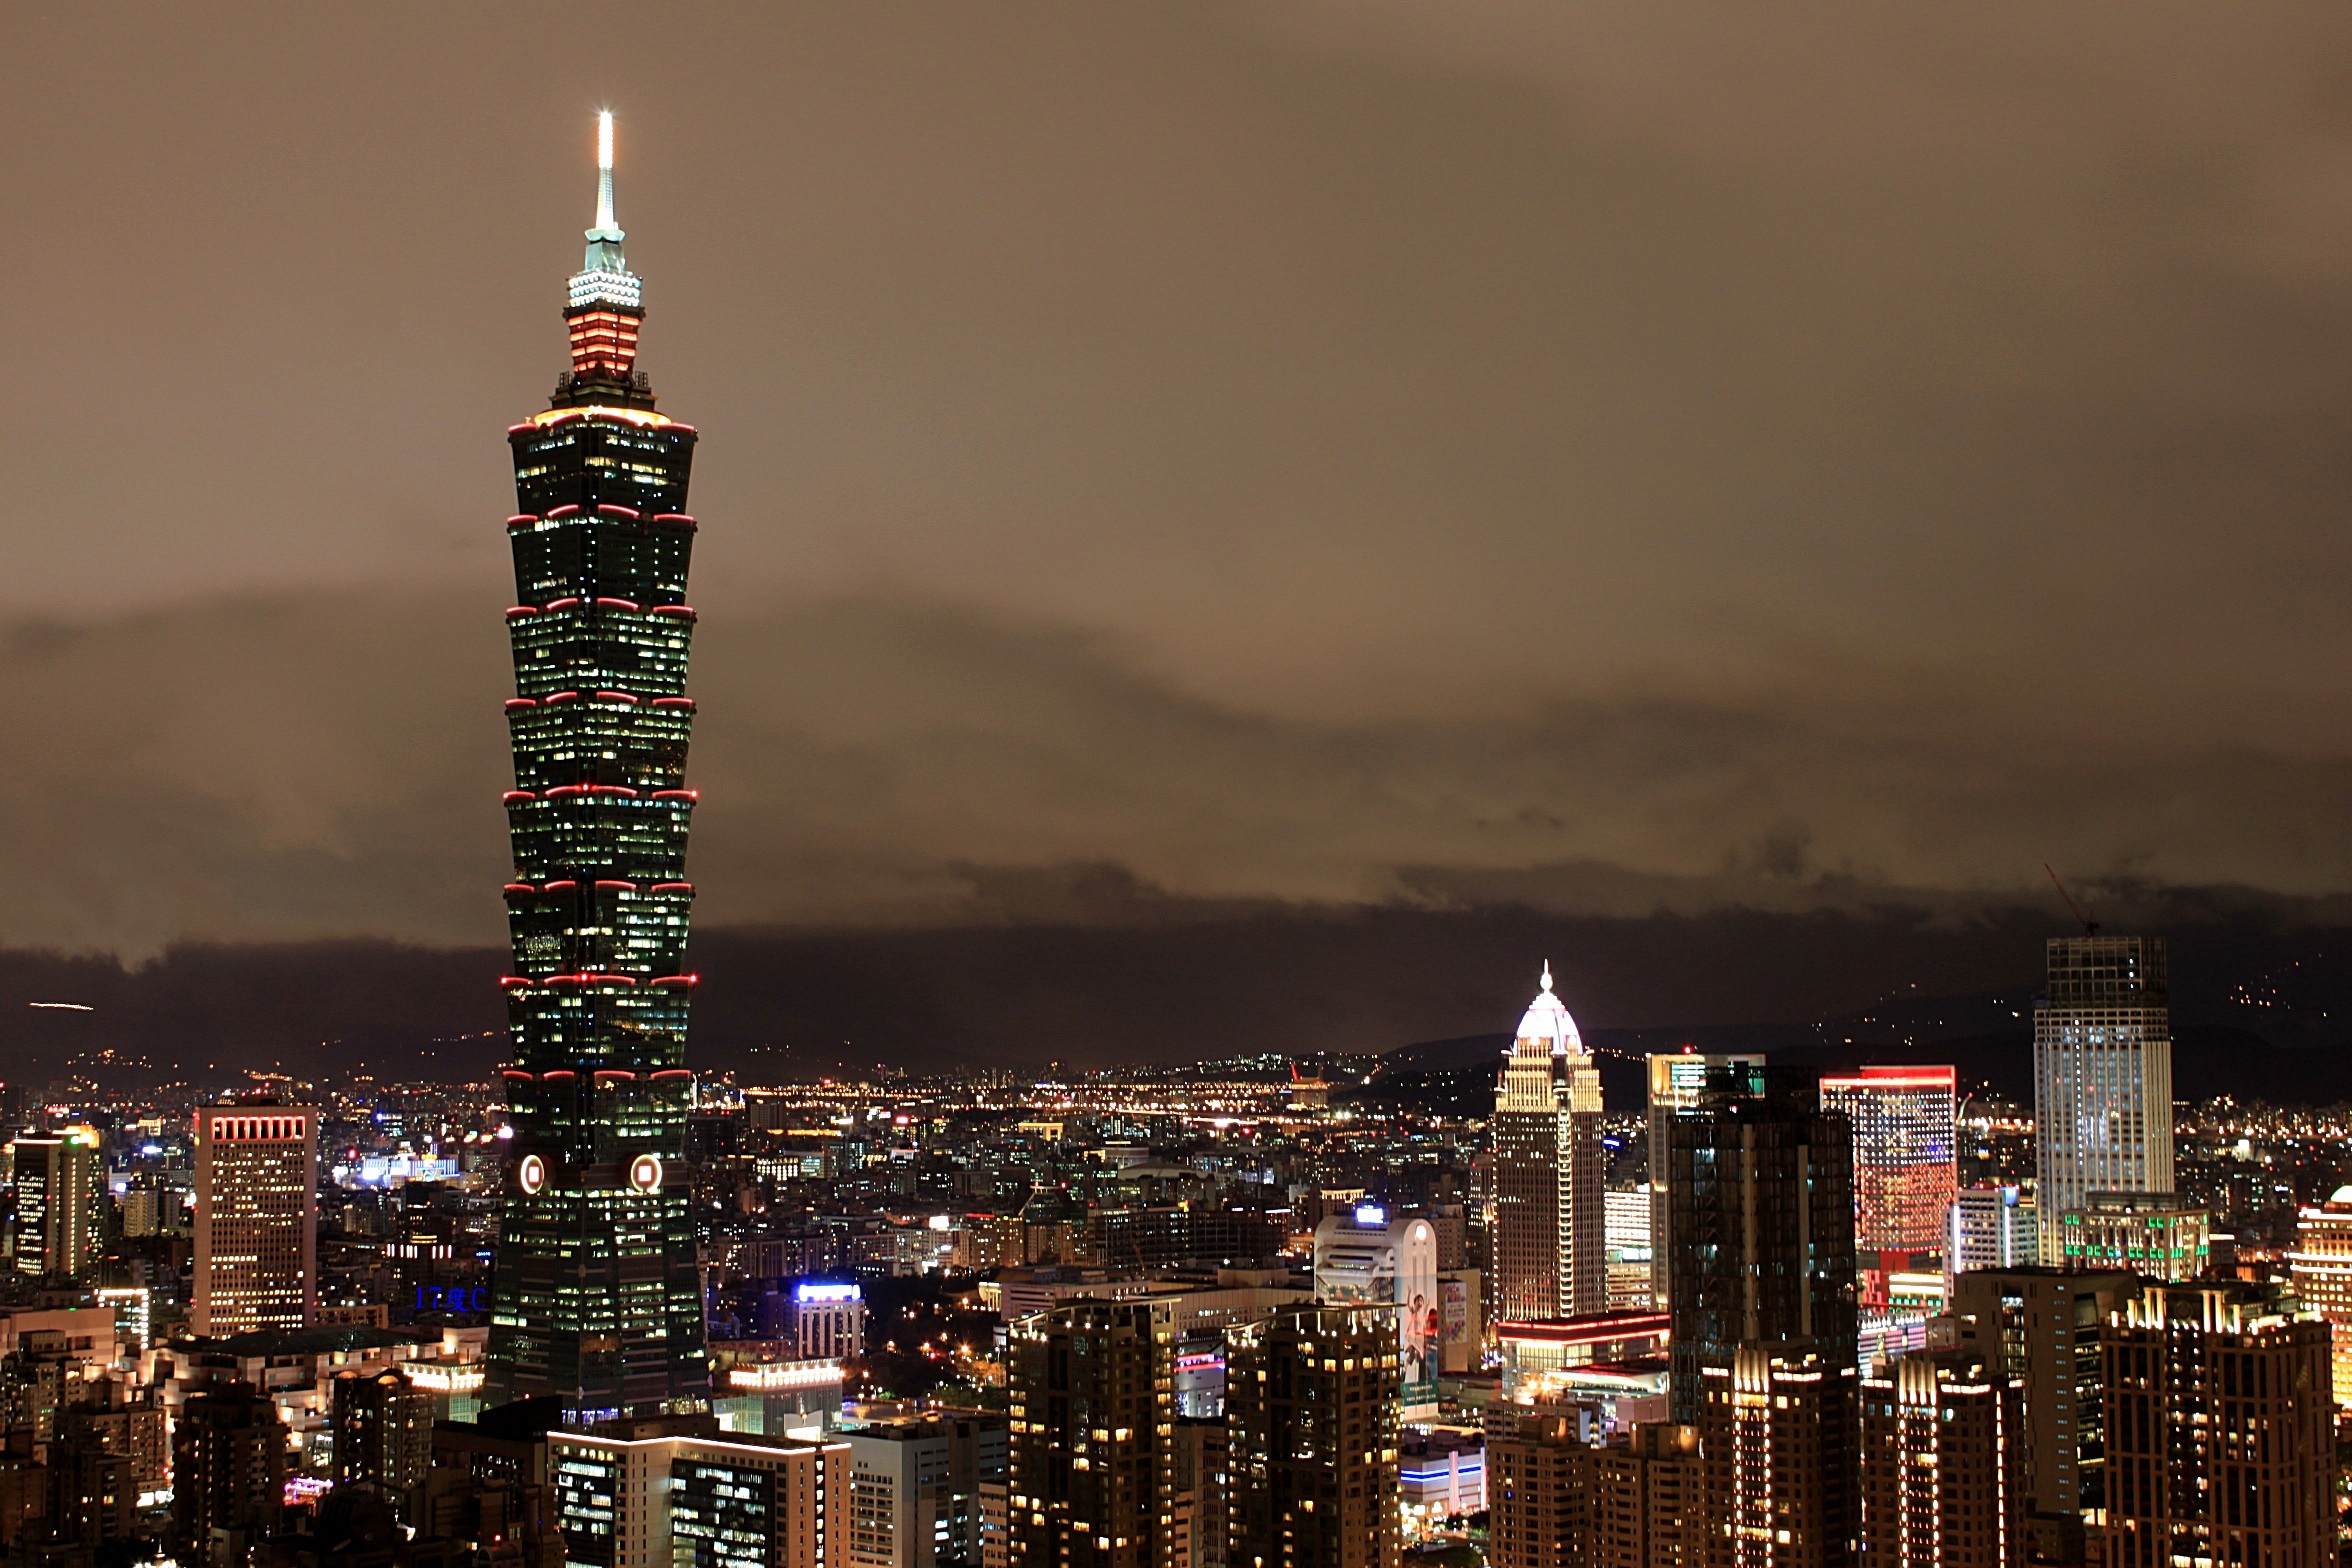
[[2090, 926]]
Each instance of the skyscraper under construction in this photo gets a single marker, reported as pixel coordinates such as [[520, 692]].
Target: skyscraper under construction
[[596, 1297]]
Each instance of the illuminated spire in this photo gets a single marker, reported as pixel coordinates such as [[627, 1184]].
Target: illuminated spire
[[607, 227], [605, 299]]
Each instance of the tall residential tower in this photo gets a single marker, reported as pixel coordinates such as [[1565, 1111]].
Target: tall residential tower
[[597, 1300], [1551, 1245]]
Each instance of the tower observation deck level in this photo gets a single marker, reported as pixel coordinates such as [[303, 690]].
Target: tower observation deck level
[[596, 1296]]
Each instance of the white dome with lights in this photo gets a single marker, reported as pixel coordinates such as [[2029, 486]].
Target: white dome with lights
[[1547, 1020]]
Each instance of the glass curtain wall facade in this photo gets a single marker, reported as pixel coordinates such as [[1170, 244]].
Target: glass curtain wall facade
[[2102, 1076], [597, 1299], [1763, 1233]]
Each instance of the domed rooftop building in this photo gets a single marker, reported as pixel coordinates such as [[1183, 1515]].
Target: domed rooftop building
[[1550, 1240], [1547, 1022]]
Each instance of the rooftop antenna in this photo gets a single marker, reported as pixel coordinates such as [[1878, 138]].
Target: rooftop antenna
[[605, 223], [2090, 926]]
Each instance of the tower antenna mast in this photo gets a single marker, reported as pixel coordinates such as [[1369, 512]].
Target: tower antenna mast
[[2090, 926]]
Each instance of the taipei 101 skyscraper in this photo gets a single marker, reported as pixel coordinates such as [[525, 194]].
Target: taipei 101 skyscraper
[[596, 1298]]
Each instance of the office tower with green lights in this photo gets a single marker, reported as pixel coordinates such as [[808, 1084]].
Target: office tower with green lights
[[596, 1296]]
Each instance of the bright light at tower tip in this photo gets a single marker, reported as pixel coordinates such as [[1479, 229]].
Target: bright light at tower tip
[[604, 139]]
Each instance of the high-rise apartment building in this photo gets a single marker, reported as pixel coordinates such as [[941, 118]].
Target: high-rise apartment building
[[1992, 1228], [2046, 1329], [1202, 1524], [256, 1217], [1777, 1436], [59, 1189], [1943, 1463], [1364, 1258], [93, 1497], [1763, 1234], [228, 1472], [1550, 1255], [676, 1492], [2102, 1076], [597, 1299], [2321, 1265], [2220, 1431], [1311, 1428], [1678, 1082], [383, 1432], [1906, 1162], [1650, 1501], [1091, 1472], [1542, 1496]]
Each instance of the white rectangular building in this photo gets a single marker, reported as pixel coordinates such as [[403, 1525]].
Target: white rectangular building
[[2102, 1077], [1366, 1259]]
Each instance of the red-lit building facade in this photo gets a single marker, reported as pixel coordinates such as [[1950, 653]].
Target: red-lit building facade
[[1906, 1165]]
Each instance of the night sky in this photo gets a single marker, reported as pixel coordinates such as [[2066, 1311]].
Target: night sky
[[1582, 459]]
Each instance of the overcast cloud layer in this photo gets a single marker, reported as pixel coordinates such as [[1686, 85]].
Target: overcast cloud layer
[[1598, 456]]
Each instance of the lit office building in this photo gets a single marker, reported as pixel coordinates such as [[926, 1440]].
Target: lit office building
[[2045, 1328], [1677, 1083], [2102, 1076], [675, 1493], [1943, 1463], [1628, 1229], [58, 1190], [1992, 1228], [1906, 1164], [596, 1291], [826, 1322], [915, 1485], [2151, 1233], [1364, 1258], [256, 1261], [1550, 1239], [2220, 1431], [1312, 1433], [1091, 1474], [2321, 1265]]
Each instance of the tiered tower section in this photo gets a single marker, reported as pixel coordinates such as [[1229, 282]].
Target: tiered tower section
[[598, 1300]]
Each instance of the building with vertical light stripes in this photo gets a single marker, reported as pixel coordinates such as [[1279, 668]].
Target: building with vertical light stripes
[[1943, 1463], [596, 1296], [1550, 1236], [2102, 1077]]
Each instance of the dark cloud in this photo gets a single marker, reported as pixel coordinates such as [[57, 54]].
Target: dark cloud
[[279, 767], [1607, 459]]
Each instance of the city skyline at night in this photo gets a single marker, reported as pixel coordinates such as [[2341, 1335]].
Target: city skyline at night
[[1795, 555]]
